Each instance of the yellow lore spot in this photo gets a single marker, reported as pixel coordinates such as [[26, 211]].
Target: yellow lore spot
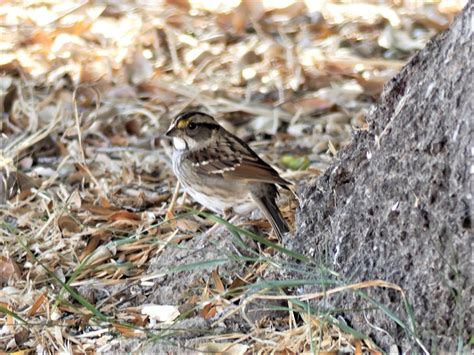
[[183, 123]]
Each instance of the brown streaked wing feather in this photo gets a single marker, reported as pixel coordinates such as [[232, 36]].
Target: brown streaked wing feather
[[256, 171], [215, 159], [253, 168], [234, 159]]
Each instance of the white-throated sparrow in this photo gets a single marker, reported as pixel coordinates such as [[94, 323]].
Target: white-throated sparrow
[[222, 172]]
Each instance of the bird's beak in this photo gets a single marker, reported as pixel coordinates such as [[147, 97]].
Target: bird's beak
[[171, 132]]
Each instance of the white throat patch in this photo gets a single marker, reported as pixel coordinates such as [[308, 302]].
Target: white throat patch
[[179, 143]]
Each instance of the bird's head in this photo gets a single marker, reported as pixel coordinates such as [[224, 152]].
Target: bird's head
[[192, 130]]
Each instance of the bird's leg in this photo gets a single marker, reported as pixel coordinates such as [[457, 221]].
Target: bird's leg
[[216, 227]]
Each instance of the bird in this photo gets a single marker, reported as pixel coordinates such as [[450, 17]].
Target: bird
[[221, 172]]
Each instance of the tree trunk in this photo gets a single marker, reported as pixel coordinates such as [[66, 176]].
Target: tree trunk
[[396, 203]]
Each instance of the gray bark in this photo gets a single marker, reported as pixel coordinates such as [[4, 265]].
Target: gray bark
[[396, 203]]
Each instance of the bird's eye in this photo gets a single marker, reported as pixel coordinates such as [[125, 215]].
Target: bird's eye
[[192, 126]]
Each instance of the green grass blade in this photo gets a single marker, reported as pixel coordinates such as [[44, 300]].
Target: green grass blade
[[198, 265], [68, 288], [13, 314], [254, 236]]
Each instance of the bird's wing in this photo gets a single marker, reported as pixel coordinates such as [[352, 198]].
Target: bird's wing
[[235, 160]]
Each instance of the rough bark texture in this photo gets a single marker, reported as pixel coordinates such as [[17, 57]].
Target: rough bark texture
[[396, 204]]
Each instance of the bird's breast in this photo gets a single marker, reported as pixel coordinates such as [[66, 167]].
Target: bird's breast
[[213, 192]]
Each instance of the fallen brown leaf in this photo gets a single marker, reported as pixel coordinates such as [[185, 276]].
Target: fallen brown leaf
[[208, 311], [68, 224], [8, 268], [37, 304], [124, 216], [127, 331]]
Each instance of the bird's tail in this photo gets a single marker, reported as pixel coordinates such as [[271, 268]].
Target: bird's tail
[[268, 206]]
